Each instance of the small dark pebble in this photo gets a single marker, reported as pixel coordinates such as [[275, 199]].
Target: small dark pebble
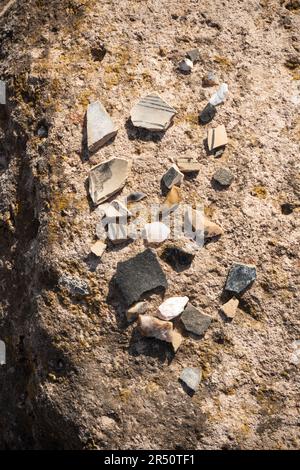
[[207, 114]]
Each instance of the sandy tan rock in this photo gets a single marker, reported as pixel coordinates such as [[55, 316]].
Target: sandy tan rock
[[155, 328], [217, 137], [230, 307], [136, 310], [98, 248]]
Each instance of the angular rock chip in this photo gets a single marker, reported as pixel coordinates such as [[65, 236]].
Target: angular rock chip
[[155, 328], [156, 232], [229, 308], [98, 248], [220, 95], [185, 65], [295, 356], [178, 258], [207, 114], [223, 176], [177, 340], [116, 211], [106, 178], [172, 307], [195, 321], [152, 113], [172, 176], [74, 285], [193, 55], [100, 127], [118, 232], [202, 224], [135, 197], [136, 310], [2, 353], [188, 164], [210, 79], [138, 275], [216, 137], [173, 197], [2, 93], [240, 277], [191, 376]]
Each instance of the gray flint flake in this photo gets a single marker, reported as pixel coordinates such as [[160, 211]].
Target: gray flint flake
[[2, 353], [152, 113], [191, 376], [2, 93], [138, 275], [100, 127], [195, 321], [240, 277]]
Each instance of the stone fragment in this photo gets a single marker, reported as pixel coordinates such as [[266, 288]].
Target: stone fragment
[[216, 138], [2, 93], [193, 55], [118, 232], [207, 114], [195, 321], [178, 258], [74, 285], [172, 307], [177, 340], [210, 79], [240, 277], [173, 197], [100, 127], [172, 177], [229, 308], [2, 353], [98, 248], [136, 310], [191, 376], [155, 328], [220, 95], [135, 197], [188, 164], [106, 178], [185, 65], [152, 113], [156, 232], [295, 356], [202, 224], [223, 176], [138, 275]]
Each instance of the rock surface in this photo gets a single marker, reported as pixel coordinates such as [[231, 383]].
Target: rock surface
[[240, 277], [223, 176]]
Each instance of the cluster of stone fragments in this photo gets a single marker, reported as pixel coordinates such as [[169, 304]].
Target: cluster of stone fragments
[[142, 273]]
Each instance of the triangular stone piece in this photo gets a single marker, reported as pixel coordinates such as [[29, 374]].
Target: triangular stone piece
[[100, 127]]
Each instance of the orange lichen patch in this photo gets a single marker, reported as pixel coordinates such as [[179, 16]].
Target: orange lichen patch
[[259, 191], [222, 61]]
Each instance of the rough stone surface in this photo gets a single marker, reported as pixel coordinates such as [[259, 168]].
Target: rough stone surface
[[210, 79], [74, 286], [138, 275], [100, 127], [195, 321], [223, 176], [191, 376], [249, 396], [152, 113], [172, 177], [240, 277]]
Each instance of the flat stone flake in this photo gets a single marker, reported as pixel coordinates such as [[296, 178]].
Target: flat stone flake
[[229, 308], [100, 127], [172, 177], [155, 328], [240, 277], [188, 164], [2, 353], [172, 307], [107, 178], [152, 113], [98, 248], [191, 376], [2, 93], [216, 138], [194, 321], [138, 275]]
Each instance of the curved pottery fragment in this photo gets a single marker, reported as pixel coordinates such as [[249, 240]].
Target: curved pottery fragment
[[152, 113], [107, 178]]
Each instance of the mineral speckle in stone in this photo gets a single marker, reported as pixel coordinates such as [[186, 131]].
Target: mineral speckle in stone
[[216, 138], [195, 321], [172, 177], [178, 258], [207, 114], [223, 177], [2, 353], [220, 95], [191, 376], [100, 127], [172, 307], [2, 93], [138, 275], [240, 277], [156, 232], [107, 178], [152, 113], [155, 328]]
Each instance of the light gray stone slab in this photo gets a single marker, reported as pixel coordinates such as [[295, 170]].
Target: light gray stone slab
[[107, 178], [100, 127], [2, 93], [152, 113]]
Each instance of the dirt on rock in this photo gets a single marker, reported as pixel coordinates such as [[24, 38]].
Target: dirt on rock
[[78, 376]]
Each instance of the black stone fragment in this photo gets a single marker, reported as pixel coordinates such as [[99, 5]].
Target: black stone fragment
[[195, 321], [207, 114], [240, 277], [138, 275], [177, 257]]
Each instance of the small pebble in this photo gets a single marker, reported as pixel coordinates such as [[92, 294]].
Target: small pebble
[[229, 308], [185, 65], [172, 177], [223, 177], [155, 328], [207, 114], [136, 310], [209, 79], [98, 248], [240, 277], [195, 321], [193, 55]]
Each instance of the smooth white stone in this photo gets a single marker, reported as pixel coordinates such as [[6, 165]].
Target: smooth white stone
[[172, 307], [220, 95]]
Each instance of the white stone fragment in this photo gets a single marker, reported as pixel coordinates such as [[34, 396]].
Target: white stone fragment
[[220, 95], [156, 232], [100, 127], [2, 353], [172, 307], [98, 248], [186, 65]]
